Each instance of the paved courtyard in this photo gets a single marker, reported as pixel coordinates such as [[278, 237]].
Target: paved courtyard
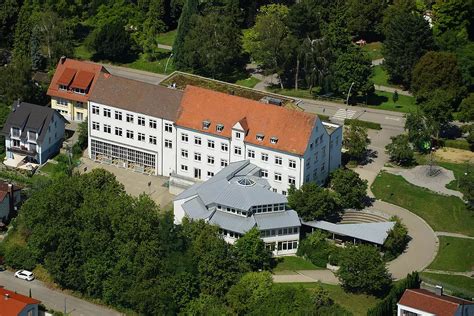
[[135, 183]]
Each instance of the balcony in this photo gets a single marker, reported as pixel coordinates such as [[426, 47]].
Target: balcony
[[22, 150]]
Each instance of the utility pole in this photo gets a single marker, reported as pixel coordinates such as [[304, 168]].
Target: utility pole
[[166, 67], [349, 93]]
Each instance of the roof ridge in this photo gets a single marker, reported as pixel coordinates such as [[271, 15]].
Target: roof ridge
[[437, 297]]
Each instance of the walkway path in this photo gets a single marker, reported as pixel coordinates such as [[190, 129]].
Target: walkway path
[[377, 62], [307, 276], [166, 47], [392, 90], [448, 234], [419, 177], [469, 274]]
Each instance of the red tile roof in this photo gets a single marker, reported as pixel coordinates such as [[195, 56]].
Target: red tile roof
[[83, 70], [14, 303], [440, 305], [292, 128], [4, 189]]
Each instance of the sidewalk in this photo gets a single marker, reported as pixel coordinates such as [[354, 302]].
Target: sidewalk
[[307, 276]]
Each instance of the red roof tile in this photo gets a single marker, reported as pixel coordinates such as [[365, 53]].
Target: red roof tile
[[67, 76], [14, 303], [4, 189], [292, 128], [440, 305], [83, 71]]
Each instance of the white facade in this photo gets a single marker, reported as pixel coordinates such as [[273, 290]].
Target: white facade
[[403, 310]]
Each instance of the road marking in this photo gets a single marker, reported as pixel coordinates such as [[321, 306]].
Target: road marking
[[343, 114], [392, 118]]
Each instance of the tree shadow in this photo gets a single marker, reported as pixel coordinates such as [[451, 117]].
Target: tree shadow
[[369, 157], [375, 99]]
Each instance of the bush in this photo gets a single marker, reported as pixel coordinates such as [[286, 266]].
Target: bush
[[20, 257], [315, 248], [396, 241], [366, 124], [456, 143]]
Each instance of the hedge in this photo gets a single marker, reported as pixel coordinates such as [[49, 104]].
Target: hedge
[[456, 143], [367, 124]]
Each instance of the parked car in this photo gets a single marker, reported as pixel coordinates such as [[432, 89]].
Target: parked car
[[25, 275]]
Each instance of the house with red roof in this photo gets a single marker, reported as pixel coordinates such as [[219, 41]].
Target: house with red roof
[[422, 302], [14, 304], [72, 83], [9, 198]]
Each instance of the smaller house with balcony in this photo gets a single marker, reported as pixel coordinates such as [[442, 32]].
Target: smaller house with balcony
[[238, 199], [33, 134], [71, 86]]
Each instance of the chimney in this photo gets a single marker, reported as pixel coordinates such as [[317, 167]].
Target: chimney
[[439, 290], [7, 296], [63, 59]]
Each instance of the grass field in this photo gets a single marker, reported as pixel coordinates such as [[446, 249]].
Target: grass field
[[249, 82], [442, 213], [380, 76], [82, 52], [293, 264], [374, 50], [167, 38], [384, 101], [454, 254], [452, 283], [157, 66], [357, 304], [48, 168], [458, 171], [300, 93]]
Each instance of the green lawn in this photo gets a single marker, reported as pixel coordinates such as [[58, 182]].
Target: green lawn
[[454, 254], [156, 66], [249, 82], [384, 101], [458, 171], [293, 264], [300, 93], [374, 50], [380, 76], [48, 168], [453, 283], [357, 304], [167, 38], [82, 52], [442, 213]]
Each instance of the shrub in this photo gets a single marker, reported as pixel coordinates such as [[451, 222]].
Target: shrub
[[457, 143], [315, 248], [367, 124], [396, 241], [20, 257]]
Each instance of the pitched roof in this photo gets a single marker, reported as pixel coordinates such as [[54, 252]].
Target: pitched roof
[[30, 117], [15, 303], [440, 305], [292, 128], [80, 74], [137, 96], [4, 189]]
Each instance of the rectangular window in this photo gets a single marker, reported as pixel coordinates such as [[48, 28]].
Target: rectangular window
[[237, 150], [278, 177], [219, 128], [95, 109], [224, 147], [95, 126], [129, 134], [264, 173], [118, 115], [210, 174], [107, 128], [291, 180], [224, 163], [168, 127], [251, 153], [152, 124], [184, 137], [168, 143], [292, 164], [141, 137], [129, 118], [197, 140], [184, 167], [210, 144], [141, 121], [118, 131], [152, 140], [283, 192], [264, 157], [107, 113], [237, 135], [64, 102], [210, 160], [62, 87], [197, 156], [278, 160], [184, 153]]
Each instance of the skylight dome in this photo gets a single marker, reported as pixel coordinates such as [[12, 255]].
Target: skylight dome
[[246, 182]]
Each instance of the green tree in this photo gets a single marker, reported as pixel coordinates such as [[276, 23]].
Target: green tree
[[466, 109], [15, 81], [437, 71], [8, 17], [465, 57], [185, 24], [466, 186], [351, 189], [152, 27], [212, 47], [23, 26], [315, 248], [364, 17], [249, 292], [313, 202], [112, 41], [395, 97], [407, 38], [419, 130], [250, 250], [206, 305], [362, 270], [438, 110], [453, 16], [397, 239], [400, 150], [356, 141]]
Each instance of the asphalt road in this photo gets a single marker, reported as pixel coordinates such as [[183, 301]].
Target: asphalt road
[[135, 74], [53, 299]]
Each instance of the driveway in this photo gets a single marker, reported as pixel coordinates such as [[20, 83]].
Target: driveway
[[54, 299]]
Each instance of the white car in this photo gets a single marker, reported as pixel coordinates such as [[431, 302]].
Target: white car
[[25, 275]]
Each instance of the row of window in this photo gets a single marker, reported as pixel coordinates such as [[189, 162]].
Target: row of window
[[233, 211], [130, 118], [229, 233], [279, 232], [268, 208], [282, 245]]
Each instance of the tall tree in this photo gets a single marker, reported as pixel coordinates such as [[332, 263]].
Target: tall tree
[[9, 10], [185, 24], [356, 141], [438, 109], [249, 292], [152, 27], [453, 17], [407, 38], [251, 251], [351, 189], [112, 41], [21, 45], [400, 150], [419, 130], [364, 17]]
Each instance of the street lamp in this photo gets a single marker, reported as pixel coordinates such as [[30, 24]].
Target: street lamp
[[348, 93], [166, 67]]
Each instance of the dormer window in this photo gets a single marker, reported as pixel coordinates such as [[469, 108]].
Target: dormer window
[[274, 140], [79, 91], [206, 124], [219, 128], [260, 137], [62, 87]]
